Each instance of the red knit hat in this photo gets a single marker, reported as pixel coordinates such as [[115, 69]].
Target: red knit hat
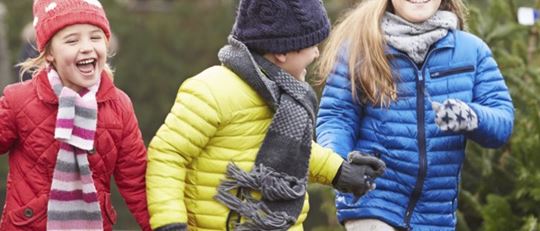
[[51, 16]]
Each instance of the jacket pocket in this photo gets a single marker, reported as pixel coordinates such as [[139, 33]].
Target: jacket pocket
[[452, 71], [31, 214]]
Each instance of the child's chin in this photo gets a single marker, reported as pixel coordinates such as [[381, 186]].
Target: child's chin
[[89, 83]]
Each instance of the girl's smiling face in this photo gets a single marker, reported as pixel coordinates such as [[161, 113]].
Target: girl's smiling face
[[78, 53], [415, 11]]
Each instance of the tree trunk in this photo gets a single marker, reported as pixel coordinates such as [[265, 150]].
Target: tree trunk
[[533, 39], [5, 67]]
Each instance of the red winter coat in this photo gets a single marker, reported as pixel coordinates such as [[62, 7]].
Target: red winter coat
[[27, 121]]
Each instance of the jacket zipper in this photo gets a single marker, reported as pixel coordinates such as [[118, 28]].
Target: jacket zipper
[[422, 159], [439, 74]]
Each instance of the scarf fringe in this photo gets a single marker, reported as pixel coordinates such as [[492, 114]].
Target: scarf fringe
[[273, 186]]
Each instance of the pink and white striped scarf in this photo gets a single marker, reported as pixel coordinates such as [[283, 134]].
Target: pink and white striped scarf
[[73, 202]]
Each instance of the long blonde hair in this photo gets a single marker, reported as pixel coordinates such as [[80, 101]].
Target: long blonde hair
[[36, 64], [359, 32]]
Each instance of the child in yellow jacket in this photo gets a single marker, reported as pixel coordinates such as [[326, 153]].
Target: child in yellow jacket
[[236, 151]]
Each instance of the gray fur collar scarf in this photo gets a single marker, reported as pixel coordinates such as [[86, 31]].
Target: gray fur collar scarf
[[281, 166], [415, 39]]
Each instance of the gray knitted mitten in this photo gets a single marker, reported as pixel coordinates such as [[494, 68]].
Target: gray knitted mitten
[[356, 175], [454, 115]]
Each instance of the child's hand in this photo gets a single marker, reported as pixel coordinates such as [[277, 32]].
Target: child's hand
[[454, 115], [358, 173]]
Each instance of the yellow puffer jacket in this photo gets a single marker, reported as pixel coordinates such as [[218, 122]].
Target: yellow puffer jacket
[[216, 119]]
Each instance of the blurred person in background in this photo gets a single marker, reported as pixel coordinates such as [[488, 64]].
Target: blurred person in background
[[28, 50], [6, 76]]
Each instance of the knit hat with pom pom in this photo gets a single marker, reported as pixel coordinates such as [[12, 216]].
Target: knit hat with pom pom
[[51, 16]]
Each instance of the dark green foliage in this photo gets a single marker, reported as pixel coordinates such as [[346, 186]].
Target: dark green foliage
[[501, 188], [159, 50]]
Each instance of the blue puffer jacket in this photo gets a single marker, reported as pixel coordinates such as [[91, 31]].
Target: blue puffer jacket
[[419, 189]]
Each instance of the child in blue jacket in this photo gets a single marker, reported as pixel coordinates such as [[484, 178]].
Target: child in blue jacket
[[406, 84]]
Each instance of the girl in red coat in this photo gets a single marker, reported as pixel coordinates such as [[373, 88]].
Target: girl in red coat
[[69, 129]]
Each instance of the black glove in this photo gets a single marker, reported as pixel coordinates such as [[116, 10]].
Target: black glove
[[356, 175], [173, 227]]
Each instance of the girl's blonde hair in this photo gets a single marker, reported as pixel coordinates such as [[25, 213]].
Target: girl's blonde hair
[[35, 65], [359, 32]]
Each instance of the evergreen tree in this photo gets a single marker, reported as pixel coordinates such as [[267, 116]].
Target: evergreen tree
[[501, 188]]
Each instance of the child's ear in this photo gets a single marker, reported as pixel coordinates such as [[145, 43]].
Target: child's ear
[[281, 57], [49, 58]]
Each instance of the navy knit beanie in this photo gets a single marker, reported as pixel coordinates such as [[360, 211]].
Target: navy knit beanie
[[280, 26]]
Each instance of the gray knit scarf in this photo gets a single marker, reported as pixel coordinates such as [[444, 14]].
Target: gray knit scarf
[[281, 165], [415, 39]]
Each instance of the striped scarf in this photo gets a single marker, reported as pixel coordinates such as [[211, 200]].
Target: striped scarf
[[73, 202]]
